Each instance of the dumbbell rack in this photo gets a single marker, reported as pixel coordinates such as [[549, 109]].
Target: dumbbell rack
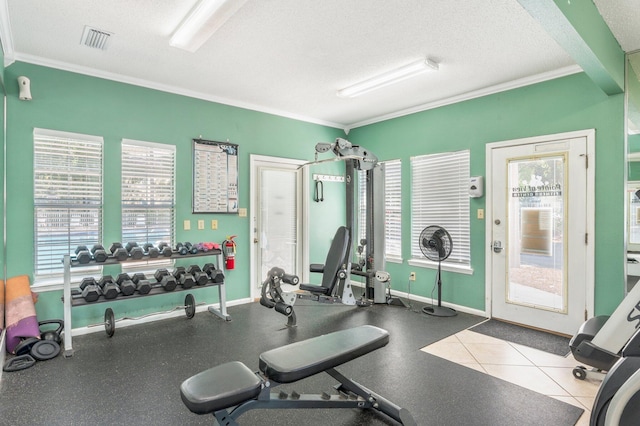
[[69, 301]]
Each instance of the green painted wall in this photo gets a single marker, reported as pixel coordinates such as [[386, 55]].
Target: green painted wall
[[77, 103], [633, 144], [561, 105]]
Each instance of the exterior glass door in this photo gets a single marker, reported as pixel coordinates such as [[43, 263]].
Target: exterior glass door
[[537, 268]]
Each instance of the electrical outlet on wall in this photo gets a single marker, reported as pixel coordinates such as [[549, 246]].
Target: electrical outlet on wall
[[200, 224], [214, 224], [412, 276], [187, 224]]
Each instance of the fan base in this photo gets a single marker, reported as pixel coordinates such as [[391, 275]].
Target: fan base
[[439, 311]]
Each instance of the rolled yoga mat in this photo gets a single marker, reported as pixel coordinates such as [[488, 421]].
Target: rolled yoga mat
[[20, 311]]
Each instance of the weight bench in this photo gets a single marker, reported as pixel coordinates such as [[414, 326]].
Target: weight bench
[[231, 389]]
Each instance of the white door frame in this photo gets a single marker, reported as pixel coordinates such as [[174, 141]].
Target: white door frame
[[590, 135], [253, 208]]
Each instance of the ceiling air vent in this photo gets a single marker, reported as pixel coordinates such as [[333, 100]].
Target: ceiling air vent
[[95, 38]]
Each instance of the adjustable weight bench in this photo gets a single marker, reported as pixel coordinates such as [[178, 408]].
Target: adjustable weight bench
[[231, 389]]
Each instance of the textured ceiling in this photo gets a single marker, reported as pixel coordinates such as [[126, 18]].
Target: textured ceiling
[[289, 57], [622, 17]]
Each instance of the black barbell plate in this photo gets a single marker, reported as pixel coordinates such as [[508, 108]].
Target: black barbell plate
[[24, 347], [45, 349], [18, 363], [109, 322], [190, 305]]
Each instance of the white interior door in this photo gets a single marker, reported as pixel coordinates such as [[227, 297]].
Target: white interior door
[[277, 216], [540, 265]]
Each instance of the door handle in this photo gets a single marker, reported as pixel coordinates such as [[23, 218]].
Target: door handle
[[497, 246]]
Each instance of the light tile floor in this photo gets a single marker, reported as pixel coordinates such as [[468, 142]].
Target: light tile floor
[[530, 368]]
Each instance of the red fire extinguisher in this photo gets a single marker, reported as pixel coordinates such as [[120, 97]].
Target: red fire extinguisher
[[229, 252]]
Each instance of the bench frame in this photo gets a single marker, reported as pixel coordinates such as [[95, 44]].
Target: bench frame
[[350, 395]]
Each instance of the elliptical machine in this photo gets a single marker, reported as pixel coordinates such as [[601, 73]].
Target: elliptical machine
[[600, 340], [618, 399]]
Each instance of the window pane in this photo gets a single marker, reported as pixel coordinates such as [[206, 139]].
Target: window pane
[[148, 192], [393, 207], [439, 196], [67, 196]]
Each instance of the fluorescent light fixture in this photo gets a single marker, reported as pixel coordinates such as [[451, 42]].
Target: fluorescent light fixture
[[204, 19], [390, 77]]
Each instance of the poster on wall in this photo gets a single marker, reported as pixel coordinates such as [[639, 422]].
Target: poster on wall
[[215, 177]]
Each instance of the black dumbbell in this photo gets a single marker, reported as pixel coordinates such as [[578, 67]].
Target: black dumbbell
[[142, 283], [127, 287], [191, 248], [119, 252], [151, 251], [83, 255], [99, 253], [109, 288], [165, 279], [90, 290], [185, 279], [182, 249], [165, 249], [134, 251], [178, 272], [216, 275], [200, 277]]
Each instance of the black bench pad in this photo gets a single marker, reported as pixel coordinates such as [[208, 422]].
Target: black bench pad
[[220, 387], [302, 359]]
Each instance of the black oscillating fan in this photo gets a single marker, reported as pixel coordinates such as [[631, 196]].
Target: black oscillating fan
[[435, 243]]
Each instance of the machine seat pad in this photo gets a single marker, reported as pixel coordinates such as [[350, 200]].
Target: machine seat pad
[[296, 361], [220, 387], [315, 288]]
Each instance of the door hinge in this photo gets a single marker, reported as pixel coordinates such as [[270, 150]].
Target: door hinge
[[586, 160], [585, 314], [586, 238]]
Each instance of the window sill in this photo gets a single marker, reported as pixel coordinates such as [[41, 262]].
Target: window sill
[[393, 259], [467, 270]]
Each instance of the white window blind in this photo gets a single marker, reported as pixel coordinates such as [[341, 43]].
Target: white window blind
[[68, 172], [148, 192], [393, 208], [439, 196]]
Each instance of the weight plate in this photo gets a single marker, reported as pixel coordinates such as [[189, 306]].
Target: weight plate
[[45, 349], [19, 363], [24, 347], [190, 305], [109, 322]]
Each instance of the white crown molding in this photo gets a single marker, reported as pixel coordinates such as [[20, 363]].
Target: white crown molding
[[64, 66], [503, 87], [6, 36], [522, 82]]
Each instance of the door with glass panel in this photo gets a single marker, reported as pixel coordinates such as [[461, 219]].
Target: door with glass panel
[[277, 217], [540, 258]]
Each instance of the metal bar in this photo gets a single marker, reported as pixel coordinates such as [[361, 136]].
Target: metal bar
[[68, 347]]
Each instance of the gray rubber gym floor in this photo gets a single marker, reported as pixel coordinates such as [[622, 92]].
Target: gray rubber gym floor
[[134, 377]]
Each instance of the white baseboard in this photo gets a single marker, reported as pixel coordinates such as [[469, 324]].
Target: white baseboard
[[428, 300], [151, 318]]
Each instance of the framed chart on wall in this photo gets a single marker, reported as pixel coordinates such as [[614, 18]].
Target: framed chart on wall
[[215, 177]]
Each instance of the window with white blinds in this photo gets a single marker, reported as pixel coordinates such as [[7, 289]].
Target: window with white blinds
[[67, 184], [148, 192], [439, 196], [393, 208]]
